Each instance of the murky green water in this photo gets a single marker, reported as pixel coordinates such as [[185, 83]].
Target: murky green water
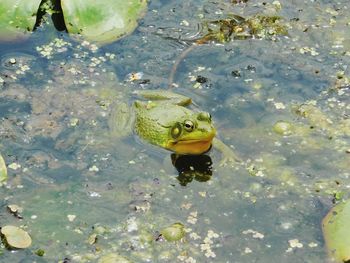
[[85, 196]]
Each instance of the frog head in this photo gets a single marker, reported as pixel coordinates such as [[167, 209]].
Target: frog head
[[174, 127]]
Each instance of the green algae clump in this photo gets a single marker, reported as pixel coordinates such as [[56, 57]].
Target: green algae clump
[[283, 128], [174, 232]]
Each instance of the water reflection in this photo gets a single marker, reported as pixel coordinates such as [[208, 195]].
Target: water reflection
[[197, 167]]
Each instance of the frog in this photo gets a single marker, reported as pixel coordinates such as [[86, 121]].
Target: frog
[[163, 118]]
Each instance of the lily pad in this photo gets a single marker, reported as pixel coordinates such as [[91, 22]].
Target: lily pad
[[16, 237], [336, 231], [103, 21], [3, 171], [17, 17]]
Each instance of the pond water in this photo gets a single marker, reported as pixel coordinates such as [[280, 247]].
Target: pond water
[[280, 101]]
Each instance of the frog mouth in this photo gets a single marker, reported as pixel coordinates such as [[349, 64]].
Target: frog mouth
[[194, 146], [190, 141]]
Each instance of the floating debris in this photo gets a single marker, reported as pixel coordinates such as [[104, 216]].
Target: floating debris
[[279, 106], [14, 166], [206, 246], [133, 76], [73, 122], [295, 243], [192, 218], [247, 250], [313, 244], [71, 218], [92, 239], [56, 46], [94, 168], [255, 234], [15, 210]]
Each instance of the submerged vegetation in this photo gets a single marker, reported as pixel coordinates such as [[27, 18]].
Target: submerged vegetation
[[236, 27]]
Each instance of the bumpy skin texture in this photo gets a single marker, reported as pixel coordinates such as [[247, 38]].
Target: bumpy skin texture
[[164, 123]]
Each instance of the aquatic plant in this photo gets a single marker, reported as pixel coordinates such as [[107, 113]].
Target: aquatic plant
[[336, 232], [238, 27], [103, 23], [17, 18], [3, 171], [16, 237]]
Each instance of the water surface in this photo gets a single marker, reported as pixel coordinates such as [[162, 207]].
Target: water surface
[[74, 181]]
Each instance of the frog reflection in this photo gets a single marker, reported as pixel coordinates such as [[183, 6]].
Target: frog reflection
[[197, 167]]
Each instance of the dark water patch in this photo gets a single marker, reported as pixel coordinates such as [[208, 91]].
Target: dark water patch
[[11, 107]]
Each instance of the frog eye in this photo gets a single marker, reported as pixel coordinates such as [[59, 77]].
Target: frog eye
[[204, 116], [176, 130], [188, 125]]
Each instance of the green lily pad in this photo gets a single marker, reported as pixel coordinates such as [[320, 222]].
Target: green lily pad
[[16, 237], [3, 171], [17, 18], [103, 21], [336, 231]]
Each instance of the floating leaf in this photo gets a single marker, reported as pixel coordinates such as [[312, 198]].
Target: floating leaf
[[103, 21], [336, 231], [17, 17], [16, 237], [3, 171]]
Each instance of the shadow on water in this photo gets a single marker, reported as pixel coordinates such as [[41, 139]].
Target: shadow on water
[[57, 15], [192, 167]]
